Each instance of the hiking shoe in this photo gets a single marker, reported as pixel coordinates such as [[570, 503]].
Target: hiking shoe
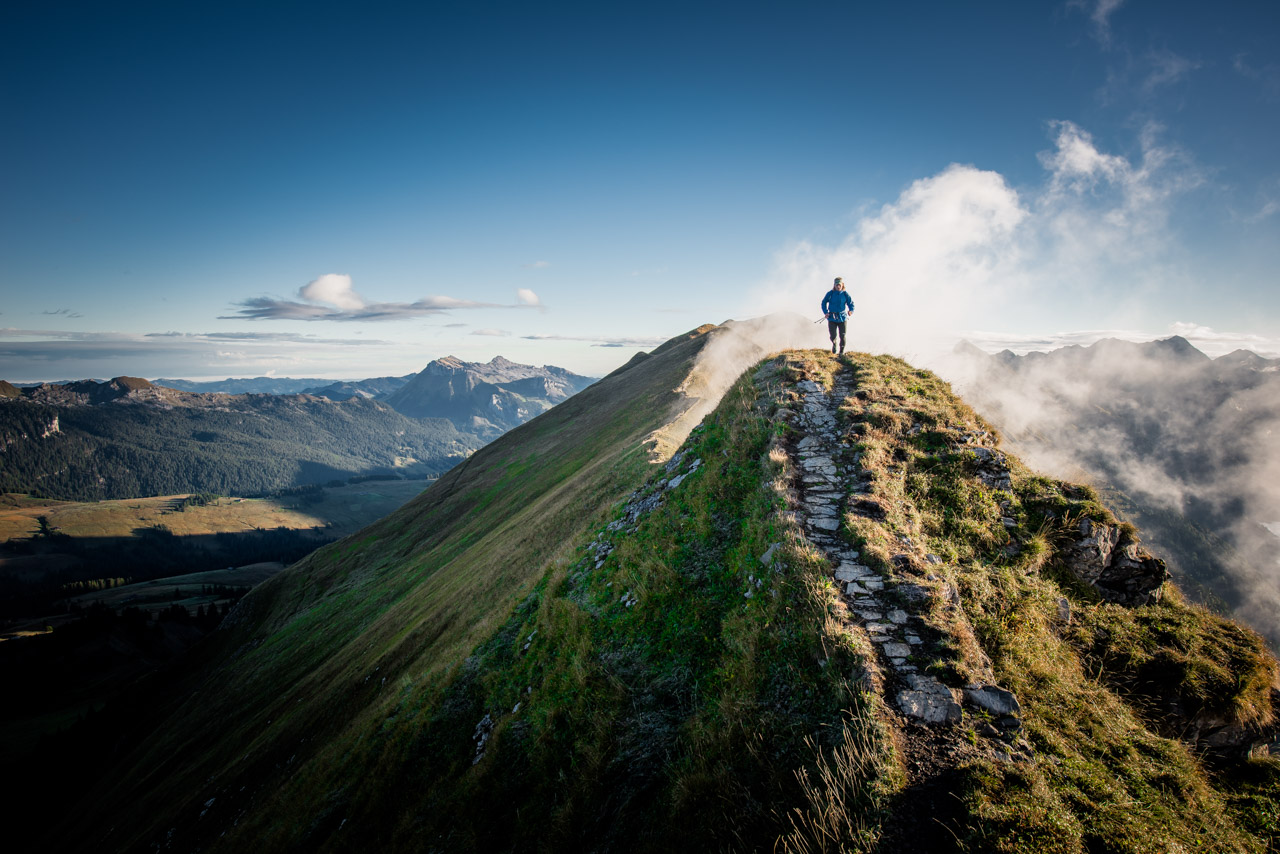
[[833, 347]]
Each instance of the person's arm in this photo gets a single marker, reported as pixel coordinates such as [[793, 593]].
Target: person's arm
[[826, 300]]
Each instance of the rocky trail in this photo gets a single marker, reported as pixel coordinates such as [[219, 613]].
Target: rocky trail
[[908, 613]]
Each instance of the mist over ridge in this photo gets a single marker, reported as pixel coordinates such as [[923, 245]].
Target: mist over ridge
[[1175, 431]]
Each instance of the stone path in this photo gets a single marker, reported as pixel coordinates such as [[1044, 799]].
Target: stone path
[[888, 605]]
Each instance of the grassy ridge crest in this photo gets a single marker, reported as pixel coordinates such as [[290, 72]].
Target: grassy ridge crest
[[518, 661]]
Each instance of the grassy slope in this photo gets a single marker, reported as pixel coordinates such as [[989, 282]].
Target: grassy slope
[[302, 671], [1108, 776], [698, 718]]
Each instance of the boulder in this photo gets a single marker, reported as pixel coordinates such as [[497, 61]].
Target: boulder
[[1107, 559], [928, 700], [992, 699]]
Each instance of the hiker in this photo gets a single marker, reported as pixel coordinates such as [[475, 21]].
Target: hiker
[[836, 307]]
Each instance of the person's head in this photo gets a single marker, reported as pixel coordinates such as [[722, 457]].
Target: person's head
[[839, 285]]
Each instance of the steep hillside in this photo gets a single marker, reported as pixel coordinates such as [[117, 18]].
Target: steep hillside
[[1187, 440], [485, 399], [838, 618], [128, 438]]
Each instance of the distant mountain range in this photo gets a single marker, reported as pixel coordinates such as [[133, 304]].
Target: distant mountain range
[[1189, 441], [376, 387], [485, 399], [246, 385], [128, 437]]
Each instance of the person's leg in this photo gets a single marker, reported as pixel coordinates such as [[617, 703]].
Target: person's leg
[[843, 326], [832, 328]]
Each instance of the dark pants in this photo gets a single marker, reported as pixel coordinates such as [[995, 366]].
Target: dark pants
[[834, 326]]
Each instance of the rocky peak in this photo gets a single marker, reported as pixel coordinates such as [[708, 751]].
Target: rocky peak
[[1178, 348], [128, 384], [446, 364]]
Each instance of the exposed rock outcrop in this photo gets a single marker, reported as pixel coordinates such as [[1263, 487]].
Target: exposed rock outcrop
[[1106, 558]]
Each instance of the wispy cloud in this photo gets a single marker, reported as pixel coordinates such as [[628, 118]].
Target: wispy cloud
[[331, 297], [1267, 74], [1166, 67], [1269, 208], [53, 354], [1099, 205], [293, 337], [1211, 342], [600, 341], [64, 312], [491, 333], [1267, 200], [1099, 12]]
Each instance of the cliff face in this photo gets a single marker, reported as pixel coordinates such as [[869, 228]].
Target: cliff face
[[839, 616]]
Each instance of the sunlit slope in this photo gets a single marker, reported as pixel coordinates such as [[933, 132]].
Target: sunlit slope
[[694, 669], [305, 658]]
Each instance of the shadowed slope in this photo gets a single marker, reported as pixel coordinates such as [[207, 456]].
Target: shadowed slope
[[304, 659]]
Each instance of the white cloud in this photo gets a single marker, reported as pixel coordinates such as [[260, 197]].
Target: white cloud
[[1100, 209], [492, 333], [932, 257], [1076, 165], [601, 341], [331, 297], [332, 289], [963, 248]]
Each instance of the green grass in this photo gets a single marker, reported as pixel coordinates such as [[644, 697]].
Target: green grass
[[344, 712], [1109, 773]]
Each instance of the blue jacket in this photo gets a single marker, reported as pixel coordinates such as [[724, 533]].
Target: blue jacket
[[837, 305]]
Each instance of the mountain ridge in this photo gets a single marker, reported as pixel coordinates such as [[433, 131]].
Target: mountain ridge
[[561, 644]]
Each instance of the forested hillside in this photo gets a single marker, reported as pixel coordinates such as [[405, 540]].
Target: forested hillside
[[250, 445]]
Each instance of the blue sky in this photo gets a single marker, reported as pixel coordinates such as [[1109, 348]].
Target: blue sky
[[321, 189]]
